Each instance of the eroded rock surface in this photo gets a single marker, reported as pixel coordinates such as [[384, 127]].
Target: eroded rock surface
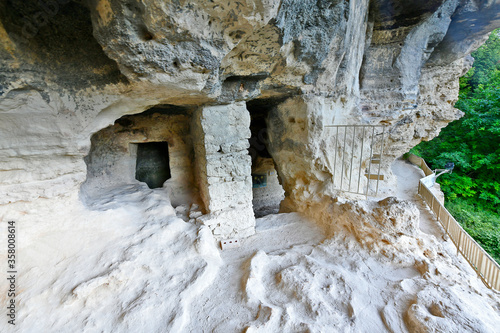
[[71, 68], [226, 85]]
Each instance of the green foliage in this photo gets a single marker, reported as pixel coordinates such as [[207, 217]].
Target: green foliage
[[486, 64], [473, 144], [483, 226]]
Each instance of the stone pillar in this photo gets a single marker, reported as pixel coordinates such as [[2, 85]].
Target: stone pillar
[[223, 167]]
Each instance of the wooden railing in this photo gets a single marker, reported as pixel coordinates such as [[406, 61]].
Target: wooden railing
[[421, 163], [485, 266]]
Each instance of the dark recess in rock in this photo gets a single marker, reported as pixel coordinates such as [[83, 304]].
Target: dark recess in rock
[[254, 77], [393, 14], [168, 109], [259, 112], [152, 165], [57, 37]]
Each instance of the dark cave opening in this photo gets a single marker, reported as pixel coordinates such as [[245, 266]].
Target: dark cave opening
[[55, 39], [266, 186]]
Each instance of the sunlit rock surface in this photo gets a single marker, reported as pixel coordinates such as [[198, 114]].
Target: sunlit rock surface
[[225, 84], [71, 68]]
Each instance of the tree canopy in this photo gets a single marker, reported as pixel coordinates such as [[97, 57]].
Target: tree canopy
[[472, 191]]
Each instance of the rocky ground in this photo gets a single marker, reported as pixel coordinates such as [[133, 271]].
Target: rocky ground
[[132, 265]]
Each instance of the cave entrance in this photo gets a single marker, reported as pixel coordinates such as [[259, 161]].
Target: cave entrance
[[152, 148], [152, 163], [266, 187]]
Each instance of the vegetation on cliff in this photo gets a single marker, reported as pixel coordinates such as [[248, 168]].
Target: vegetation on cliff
[[472, 191]]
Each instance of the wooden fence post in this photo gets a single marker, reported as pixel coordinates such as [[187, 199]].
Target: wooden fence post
[[459, 241]]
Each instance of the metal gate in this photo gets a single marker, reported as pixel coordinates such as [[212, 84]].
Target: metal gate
[[358, 151]]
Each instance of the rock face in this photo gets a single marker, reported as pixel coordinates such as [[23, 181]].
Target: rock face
[[70, 69]]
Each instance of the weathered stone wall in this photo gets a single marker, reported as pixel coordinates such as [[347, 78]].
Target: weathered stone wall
[[223, 168]]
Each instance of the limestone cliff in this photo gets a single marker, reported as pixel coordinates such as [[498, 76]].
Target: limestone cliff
[[71, 68], [135, 134]]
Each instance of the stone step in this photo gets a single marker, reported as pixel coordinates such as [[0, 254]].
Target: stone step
[[373, 176]]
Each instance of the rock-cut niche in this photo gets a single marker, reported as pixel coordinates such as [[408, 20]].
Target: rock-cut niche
[[152, 149]]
